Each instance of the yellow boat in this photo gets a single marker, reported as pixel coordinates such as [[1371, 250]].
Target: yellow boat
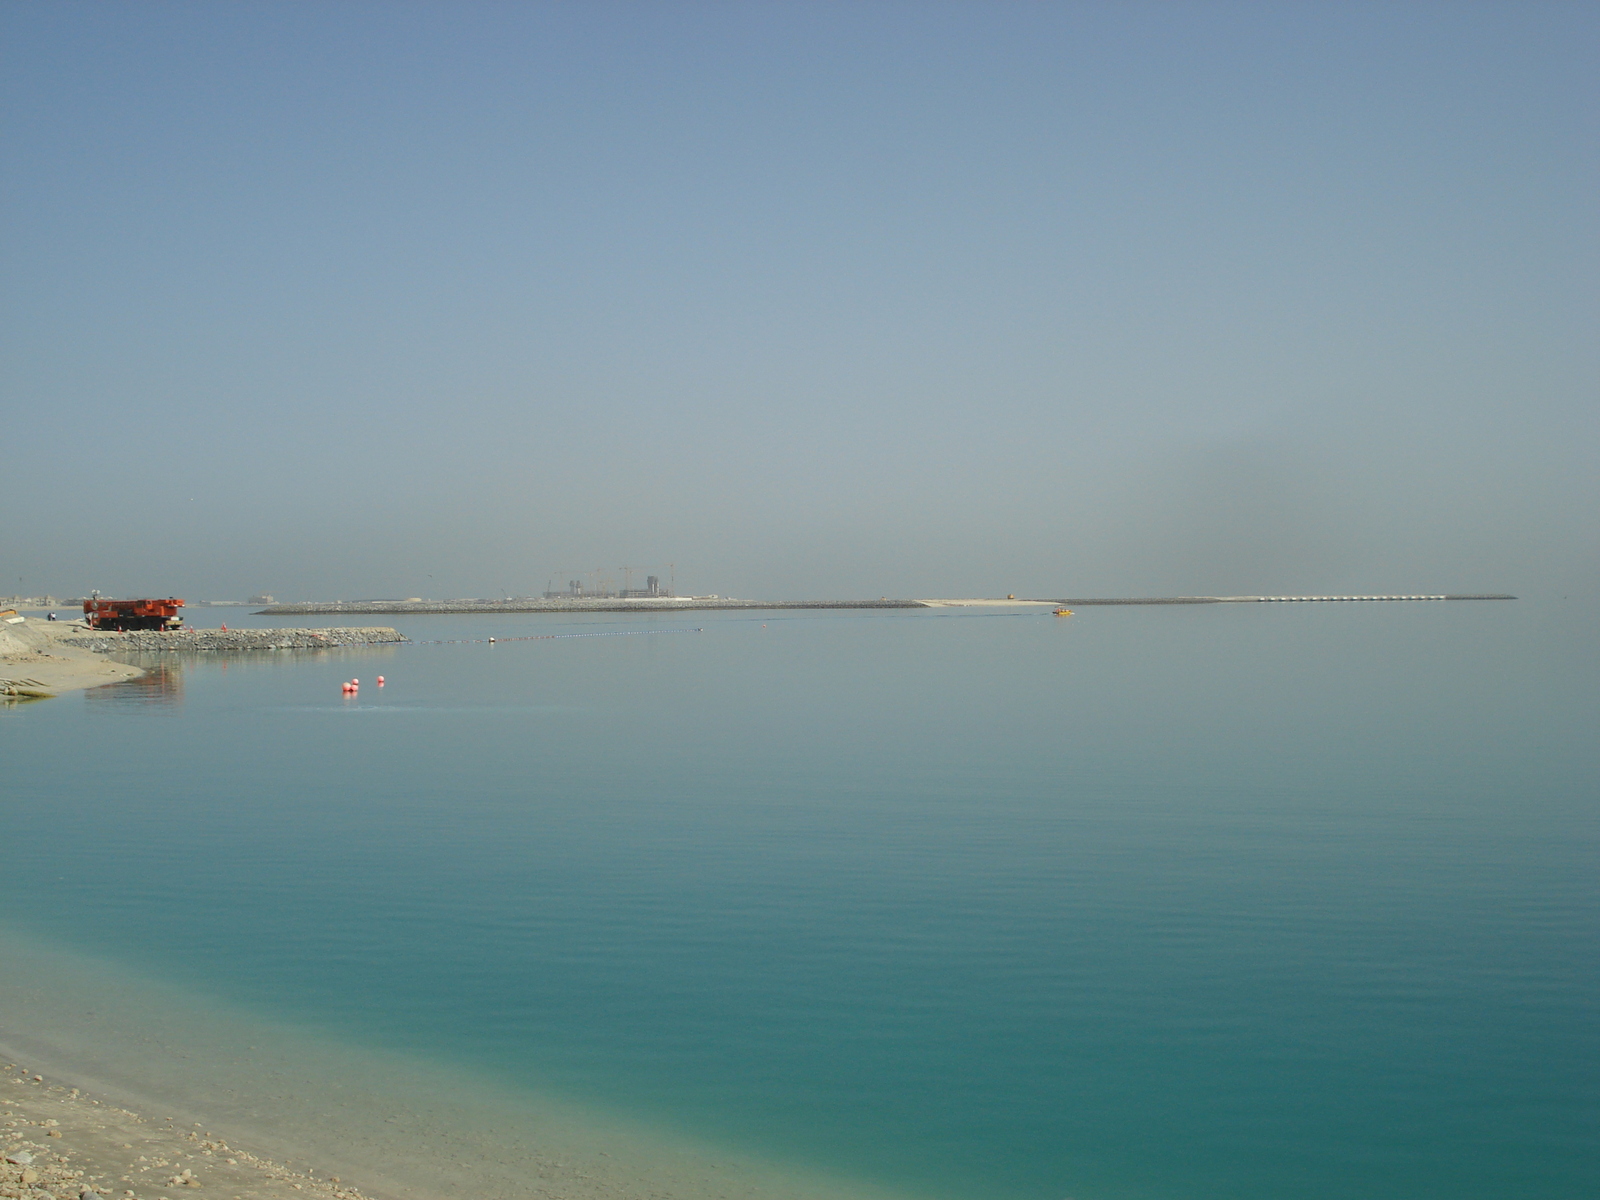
[[1062, 612]]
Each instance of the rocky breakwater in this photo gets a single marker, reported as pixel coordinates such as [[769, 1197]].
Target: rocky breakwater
[[198, 641], [561, 605]]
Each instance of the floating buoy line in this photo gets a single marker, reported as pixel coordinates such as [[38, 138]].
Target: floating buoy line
[[352, 687], [546, 637]]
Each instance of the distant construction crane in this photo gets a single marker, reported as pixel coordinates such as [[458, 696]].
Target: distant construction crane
[[600, 584]]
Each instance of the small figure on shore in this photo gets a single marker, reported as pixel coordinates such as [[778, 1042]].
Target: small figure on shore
[[49, 616]]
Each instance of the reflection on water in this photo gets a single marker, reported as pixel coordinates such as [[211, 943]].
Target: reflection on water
[[160, 685], [9, 700]]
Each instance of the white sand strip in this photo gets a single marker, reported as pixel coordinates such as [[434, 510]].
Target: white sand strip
[[1006, 603], [33, 662]]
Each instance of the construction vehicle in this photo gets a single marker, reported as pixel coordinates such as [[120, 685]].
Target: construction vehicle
[[123, 615]]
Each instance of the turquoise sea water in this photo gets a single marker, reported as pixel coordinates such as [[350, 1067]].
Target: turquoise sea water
[[1232, 901]]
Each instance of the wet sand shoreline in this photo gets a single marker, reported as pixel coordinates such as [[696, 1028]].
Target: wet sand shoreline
[[133, 1064], [62, 1141], [35, 664]]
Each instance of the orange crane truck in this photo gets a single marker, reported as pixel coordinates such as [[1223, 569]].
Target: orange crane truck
[[123, 615]]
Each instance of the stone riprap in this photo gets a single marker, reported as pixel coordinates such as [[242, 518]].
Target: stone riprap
[[188, 641]]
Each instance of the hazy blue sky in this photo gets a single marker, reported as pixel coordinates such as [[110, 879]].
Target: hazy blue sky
[[375, 299]]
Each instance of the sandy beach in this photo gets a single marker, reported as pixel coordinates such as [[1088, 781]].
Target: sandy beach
[[145, 1080], [59, 1141], [35, 662]]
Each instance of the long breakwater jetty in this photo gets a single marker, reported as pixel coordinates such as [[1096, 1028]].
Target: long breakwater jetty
[[697, 603], [609, 604]]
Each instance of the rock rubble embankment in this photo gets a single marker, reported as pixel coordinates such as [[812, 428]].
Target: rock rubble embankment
[[190, 641]]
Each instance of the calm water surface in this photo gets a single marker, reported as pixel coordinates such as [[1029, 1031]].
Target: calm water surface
[[1235, 901]]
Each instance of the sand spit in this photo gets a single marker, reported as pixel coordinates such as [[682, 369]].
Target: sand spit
[[1008, 602], [34, 664], [59, 1142]]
